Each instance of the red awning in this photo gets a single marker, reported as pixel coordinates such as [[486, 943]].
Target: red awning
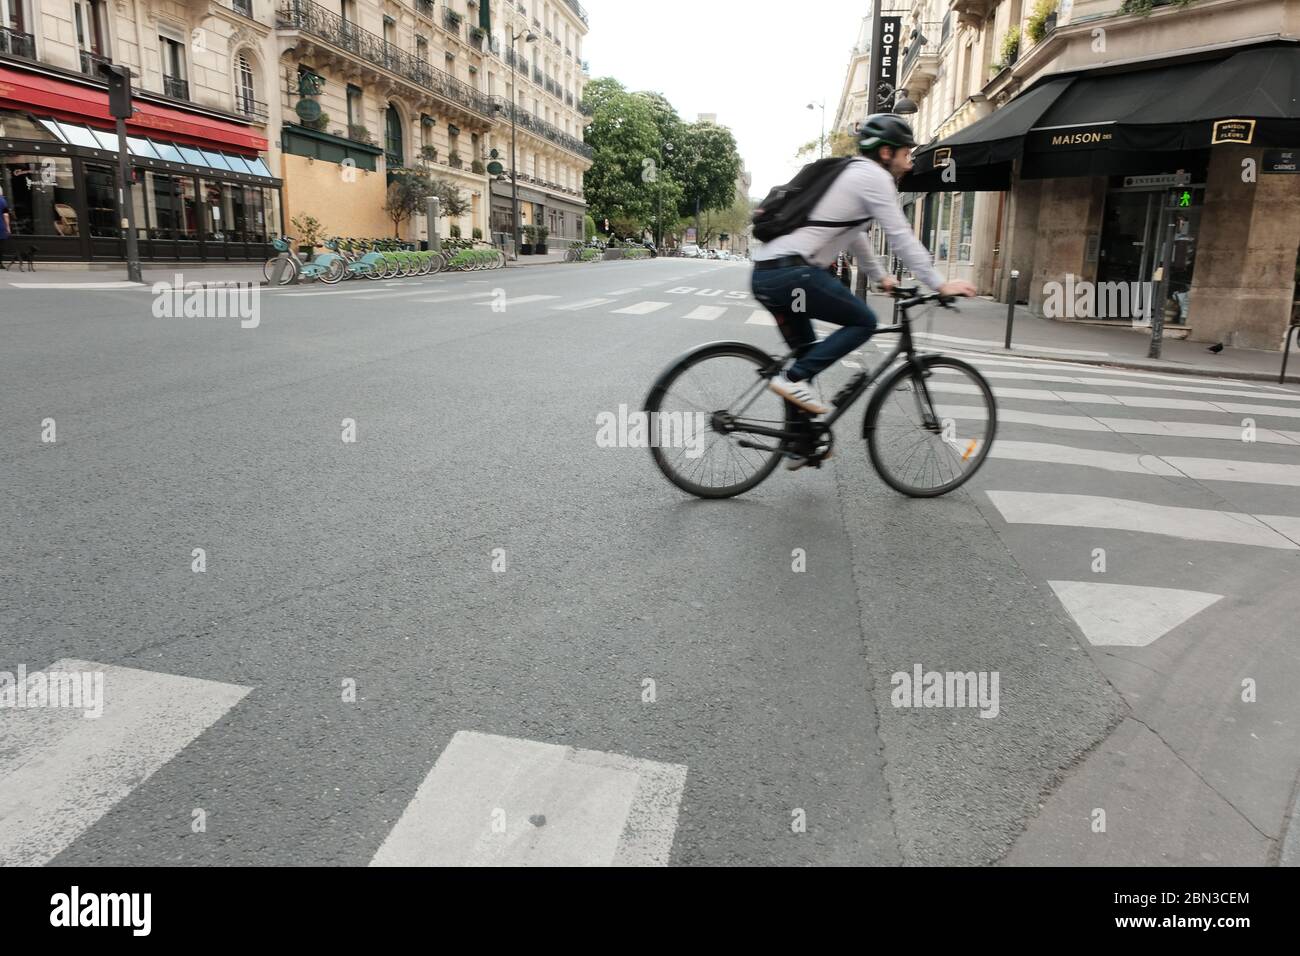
[[73, 101]]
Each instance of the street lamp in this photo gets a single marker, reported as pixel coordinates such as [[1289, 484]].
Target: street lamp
[[667, 148], [529, 37], [904, 106], [822, 106]]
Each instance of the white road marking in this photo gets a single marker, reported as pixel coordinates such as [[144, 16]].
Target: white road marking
[[458, 298], [1082, 457], [998, 373], [625, 291], [936, 337], [761, 317], [641, 308], [706, 312], [1005, 360], [1120, 514], [577, 306], [1126, 615], [1128, 401], [60, 771], [1124, 426], [501, 801], [1201, 469], [521, 300], [87, 286]]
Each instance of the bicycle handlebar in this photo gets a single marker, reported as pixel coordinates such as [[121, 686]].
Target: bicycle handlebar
[[909, 299]]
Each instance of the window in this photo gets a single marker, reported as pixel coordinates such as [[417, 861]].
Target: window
[[101, 202], [172, 206], [393, 147], [88, 20], [244, 7], [41, 195], [245, 87], [11, 15], [967, 227], [172, 54], [355, 111], [422, 49]]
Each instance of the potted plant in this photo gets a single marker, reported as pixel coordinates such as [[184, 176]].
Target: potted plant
[[541, 232], [477, 167], [453, 159], [1037, 26], [430, 153], [455, 232], [319, 123], [359, 134], [527, 248], [477, 233], [309, 230], [1011, 47]]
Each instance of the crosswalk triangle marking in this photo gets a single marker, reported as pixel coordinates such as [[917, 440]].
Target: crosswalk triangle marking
[[760, 317], [1128, 615]]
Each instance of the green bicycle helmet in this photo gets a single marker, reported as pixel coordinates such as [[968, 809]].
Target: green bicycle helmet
[[884, 129]]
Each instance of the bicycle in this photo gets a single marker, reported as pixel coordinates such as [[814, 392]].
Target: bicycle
[[902, 418]]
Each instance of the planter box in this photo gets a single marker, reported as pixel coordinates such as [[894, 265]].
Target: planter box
[[525, 250], [539, 249]]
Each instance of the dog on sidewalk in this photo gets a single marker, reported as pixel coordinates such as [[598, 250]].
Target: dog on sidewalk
[[22, 258]]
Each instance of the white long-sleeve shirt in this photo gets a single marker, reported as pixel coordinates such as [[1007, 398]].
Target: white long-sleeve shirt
[[864, 189]]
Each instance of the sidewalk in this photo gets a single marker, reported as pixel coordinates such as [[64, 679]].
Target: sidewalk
[[979, 325]]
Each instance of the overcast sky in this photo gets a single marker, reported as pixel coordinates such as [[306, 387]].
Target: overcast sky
[[755, 63]]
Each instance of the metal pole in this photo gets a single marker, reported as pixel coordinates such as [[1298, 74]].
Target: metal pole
[[514, 175], [1286, 350], [1158, 307], [133, 273], [433, 208], [1011, 304]]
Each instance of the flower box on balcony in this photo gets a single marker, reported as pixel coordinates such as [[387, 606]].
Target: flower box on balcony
[[477, 167]]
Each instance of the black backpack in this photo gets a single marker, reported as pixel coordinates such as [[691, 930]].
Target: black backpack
[[788, 207]]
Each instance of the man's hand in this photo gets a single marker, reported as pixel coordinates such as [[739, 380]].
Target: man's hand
[[957, 287], [888, 284]]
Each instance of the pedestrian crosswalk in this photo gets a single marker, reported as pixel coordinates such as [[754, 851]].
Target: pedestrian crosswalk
[[78, 737], [1080, 470]]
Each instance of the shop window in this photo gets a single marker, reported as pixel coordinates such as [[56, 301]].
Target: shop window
[[41, 195], [21, 126], [172, 206], [967, 227], [101, 201], [214, 217]]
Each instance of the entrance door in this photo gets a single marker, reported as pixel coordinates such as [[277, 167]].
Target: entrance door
[[1133, 237]]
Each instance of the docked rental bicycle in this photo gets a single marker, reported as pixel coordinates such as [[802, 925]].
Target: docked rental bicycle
[[929, 424]]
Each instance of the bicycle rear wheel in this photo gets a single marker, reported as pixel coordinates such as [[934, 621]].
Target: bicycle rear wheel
[[696, 415], [930, 425]]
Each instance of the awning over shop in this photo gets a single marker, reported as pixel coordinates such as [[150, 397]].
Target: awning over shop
[[1091, 124], [67, 100]]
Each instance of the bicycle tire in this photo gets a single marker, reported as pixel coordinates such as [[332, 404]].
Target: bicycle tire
[[660, 389], [974, 457]]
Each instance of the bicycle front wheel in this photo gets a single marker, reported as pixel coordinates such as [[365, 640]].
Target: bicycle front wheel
[[930, 425], [697, 414]]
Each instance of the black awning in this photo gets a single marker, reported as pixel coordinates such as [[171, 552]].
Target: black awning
[[1125, 123]]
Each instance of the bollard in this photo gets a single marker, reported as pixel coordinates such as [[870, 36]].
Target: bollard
[[1011, 304], [1286, 349]]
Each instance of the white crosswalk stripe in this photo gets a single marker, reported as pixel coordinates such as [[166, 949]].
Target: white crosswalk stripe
[[519, 300], [60, 771], [761, 317], [579, 306], [1118, 514], [501, 801], [707, 312], [641, 308]]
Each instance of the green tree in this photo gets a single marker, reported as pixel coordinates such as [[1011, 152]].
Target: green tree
[[706, 164], [406, 196], [621, 184], [838, 143]]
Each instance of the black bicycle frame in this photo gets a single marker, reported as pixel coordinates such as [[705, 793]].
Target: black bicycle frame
[[856, 386]]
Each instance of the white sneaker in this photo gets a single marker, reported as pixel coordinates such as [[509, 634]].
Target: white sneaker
[[797, 393]]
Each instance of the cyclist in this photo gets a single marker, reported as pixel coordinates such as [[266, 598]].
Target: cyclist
[[791, 277]]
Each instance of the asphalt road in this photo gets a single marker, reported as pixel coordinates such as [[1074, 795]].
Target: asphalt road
[[482, 572]]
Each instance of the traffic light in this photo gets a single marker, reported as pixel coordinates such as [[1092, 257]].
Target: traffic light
[[119, 89]]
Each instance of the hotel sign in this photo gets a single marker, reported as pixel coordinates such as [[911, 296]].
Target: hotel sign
[[885, 63]]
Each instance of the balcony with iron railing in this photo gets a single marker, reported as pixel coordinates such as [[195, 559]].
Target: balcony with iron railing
[[554, 134], [576, 7], [176, 87], [426, 8], [90, 62], [325, 25], [255, 110], [17, 43], [451, 21], [921, 56]]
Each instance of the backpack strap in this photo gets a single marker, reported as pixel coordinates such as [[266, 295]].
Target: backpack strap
[[828, 222]]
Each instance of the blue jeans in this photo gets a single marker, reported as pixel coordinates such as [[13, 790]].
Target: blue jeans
[[799, 294]]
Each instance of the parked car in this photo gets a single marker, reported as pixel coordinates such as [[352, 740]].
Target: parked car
[[691, 251]]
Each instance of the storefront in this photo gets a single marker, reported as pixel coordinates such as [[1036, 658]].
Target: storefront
[[201, 193], [1148, 178], [563, 219]]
